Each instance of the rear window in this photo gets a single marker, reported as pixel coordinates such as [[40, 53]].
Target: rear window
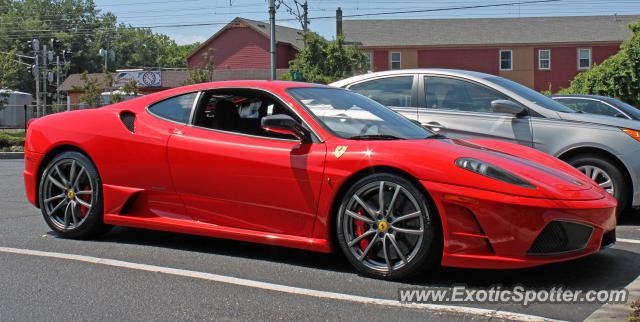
[[177, 108]]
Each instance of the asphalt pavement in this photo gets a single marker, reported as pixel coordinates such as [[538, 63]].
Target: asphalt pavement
[[91, 287]]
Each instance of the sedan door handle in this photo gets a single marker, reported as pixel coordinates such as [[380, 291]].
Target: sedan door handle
[[435, 126]]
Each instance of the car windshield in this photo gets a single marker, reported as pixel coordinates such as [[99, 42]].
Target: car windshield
[[530, 95], [353, 116], [627, 108]]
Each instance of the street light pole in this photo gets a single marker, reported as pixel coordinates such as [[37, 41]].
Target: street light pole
[[272, 37]]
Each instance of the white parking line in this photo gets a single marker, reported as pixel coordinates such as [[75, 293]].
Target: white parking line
[[277, 287], [629, 241]]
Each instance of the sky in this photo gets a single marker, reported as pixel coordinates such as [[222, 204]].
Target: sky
[[211, 15]]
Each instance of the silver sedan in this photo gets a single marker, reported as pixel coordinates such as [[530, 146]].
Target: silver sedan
[[470, 104]]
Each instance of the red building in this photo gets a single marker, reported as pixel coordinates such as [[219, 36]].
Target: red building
[[243, 44], [540, 52]]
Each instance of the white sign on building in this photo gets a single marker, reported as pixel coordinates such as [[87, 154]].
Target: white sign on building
[[142, 77]]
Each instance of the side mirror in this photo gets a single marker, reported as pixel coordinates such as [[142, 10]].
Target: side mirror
[[285, 124], [507, 107]]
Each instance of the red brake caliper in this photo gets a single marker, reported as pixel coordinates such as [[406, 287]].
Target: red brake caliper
[[361, 228]]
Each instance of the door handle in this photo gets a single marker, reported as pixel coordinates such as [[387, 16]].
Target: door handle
[[435, 126], [175, 131]]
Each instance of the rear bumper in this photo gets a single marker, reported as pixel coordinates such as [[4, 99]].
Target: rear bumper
[[484, 229], [32, 162]]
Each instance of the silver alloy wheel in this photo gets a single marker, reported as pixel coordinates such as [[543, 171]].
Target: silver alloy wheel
[[393, 225], [67, 194], [601, 177]]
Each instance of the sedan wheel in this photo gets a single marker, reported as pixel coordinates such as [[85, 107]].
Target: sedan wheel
[[70, 198], [385, 227], [601, 177]]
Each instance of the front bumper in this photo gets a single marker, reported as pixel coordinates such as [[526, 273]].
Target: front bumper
[[485, 229], [32, 162]]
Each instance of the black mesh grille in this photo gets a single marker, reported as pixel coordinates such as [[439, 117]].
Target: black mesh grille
[[128, 119], [560, 237]]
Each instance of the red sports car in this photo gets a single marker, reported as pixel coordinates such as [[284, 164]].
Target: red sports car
[[311, 167]]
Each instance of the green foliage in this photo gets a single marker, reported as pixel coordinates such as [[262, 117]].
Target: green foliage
[[10, 70], [83, 30], [205, 74], [131, 87], [618, 76], [92, 89], [323, 61], [10, 139]]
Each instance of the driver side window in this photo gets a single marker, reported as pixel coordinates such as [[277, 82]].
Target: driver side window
[[240, 111], [455, 94]]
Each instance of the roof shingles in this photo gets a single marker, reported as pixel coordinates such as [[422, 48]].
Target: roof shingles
[[488, 31]]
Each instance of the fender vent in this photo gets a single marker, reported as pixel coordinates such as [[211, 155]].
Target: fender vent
[[128, 119]]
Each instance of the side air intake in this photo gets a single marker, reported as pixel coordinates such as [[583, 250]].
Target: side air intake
[[129, 120]]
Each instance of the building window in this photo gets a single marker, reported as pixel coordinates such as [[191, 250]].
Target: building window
[[396, 59], [506, 60], [584, 58], [544, 59]]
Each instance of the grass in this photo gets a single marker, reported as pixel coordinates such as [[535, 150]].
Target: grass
[[12, 141]]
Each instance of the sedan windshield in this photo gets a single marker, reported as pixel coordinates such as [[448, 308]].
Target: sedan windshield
[[531, 95], [353, 116]]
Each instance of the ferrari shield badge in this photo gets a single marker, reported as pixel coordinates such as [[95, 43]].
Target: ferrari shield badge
[[340, 150]]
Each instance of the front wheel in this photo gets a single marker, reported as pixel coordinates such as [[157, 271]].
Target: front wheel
[[606, 174], [70, 195], [386, 228]]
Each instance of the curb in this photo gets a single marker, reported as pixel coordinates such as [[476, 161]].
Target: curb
[[11, 155], [617, 312]]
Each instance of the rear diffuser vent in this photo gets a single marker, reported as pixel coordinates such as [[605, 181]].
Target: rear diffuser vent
[[128, 119]]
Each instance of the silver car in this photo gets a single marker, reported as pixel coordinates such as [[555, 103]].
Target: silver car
[[470, 104]]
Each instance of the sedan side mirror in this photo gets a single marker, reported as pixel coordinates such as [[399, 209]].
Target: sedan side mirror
[[285, 124], [507, 107]]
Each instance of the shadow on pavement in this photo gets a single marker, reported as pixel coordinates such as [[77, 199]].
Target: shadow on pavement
[[609, 269]]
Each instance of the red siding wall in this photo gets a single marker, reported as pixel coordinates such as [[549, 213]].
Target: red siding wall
[[380, 60], [564, 65], [242, 48], [482, 60]]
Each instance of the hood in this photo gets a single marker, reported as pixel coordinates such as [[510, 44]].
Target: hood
[[434, 160], [601, 120]]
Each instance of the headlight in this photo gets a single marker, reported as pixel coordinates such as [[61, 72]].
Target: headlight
[[491, 171], [633, 133]]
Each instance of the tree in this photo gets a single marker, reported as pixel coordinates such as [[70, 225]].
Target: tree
[[92, 89], [202, 74], [618, 76], [10, 69], [323, 61]]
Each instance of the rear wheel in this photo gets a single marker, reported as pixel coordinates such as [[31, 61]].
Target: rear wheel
[[606, 174], [70, 196], [386, 228]]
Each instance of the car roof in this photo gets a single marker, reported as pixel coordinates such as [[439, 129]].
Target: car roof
[[600, 97], [438, 71]]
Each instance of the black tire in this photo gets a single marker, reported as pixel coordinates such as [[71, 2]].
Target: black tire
[[425, 252], [90, 221], [620, 185]]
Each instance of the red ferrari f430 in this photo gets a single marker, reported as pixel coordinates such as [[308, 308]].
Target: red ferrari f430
[[311, 167]]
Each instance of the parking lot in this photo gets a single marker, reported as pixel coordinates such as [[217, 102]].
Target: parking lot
[[134, 274]]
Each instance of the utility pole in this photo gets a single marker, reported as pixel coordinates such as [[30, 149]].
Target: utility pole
[[305, 16], [57, 79], [272, 37], [44, 79], [35, 43]]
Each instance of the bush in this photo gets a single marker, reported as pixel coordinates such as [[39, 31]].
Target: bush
[[618, 76], [9, 139]]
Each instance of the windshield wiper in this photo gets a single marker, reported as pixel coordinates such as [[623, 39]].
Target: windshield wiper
[[375, 137]]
